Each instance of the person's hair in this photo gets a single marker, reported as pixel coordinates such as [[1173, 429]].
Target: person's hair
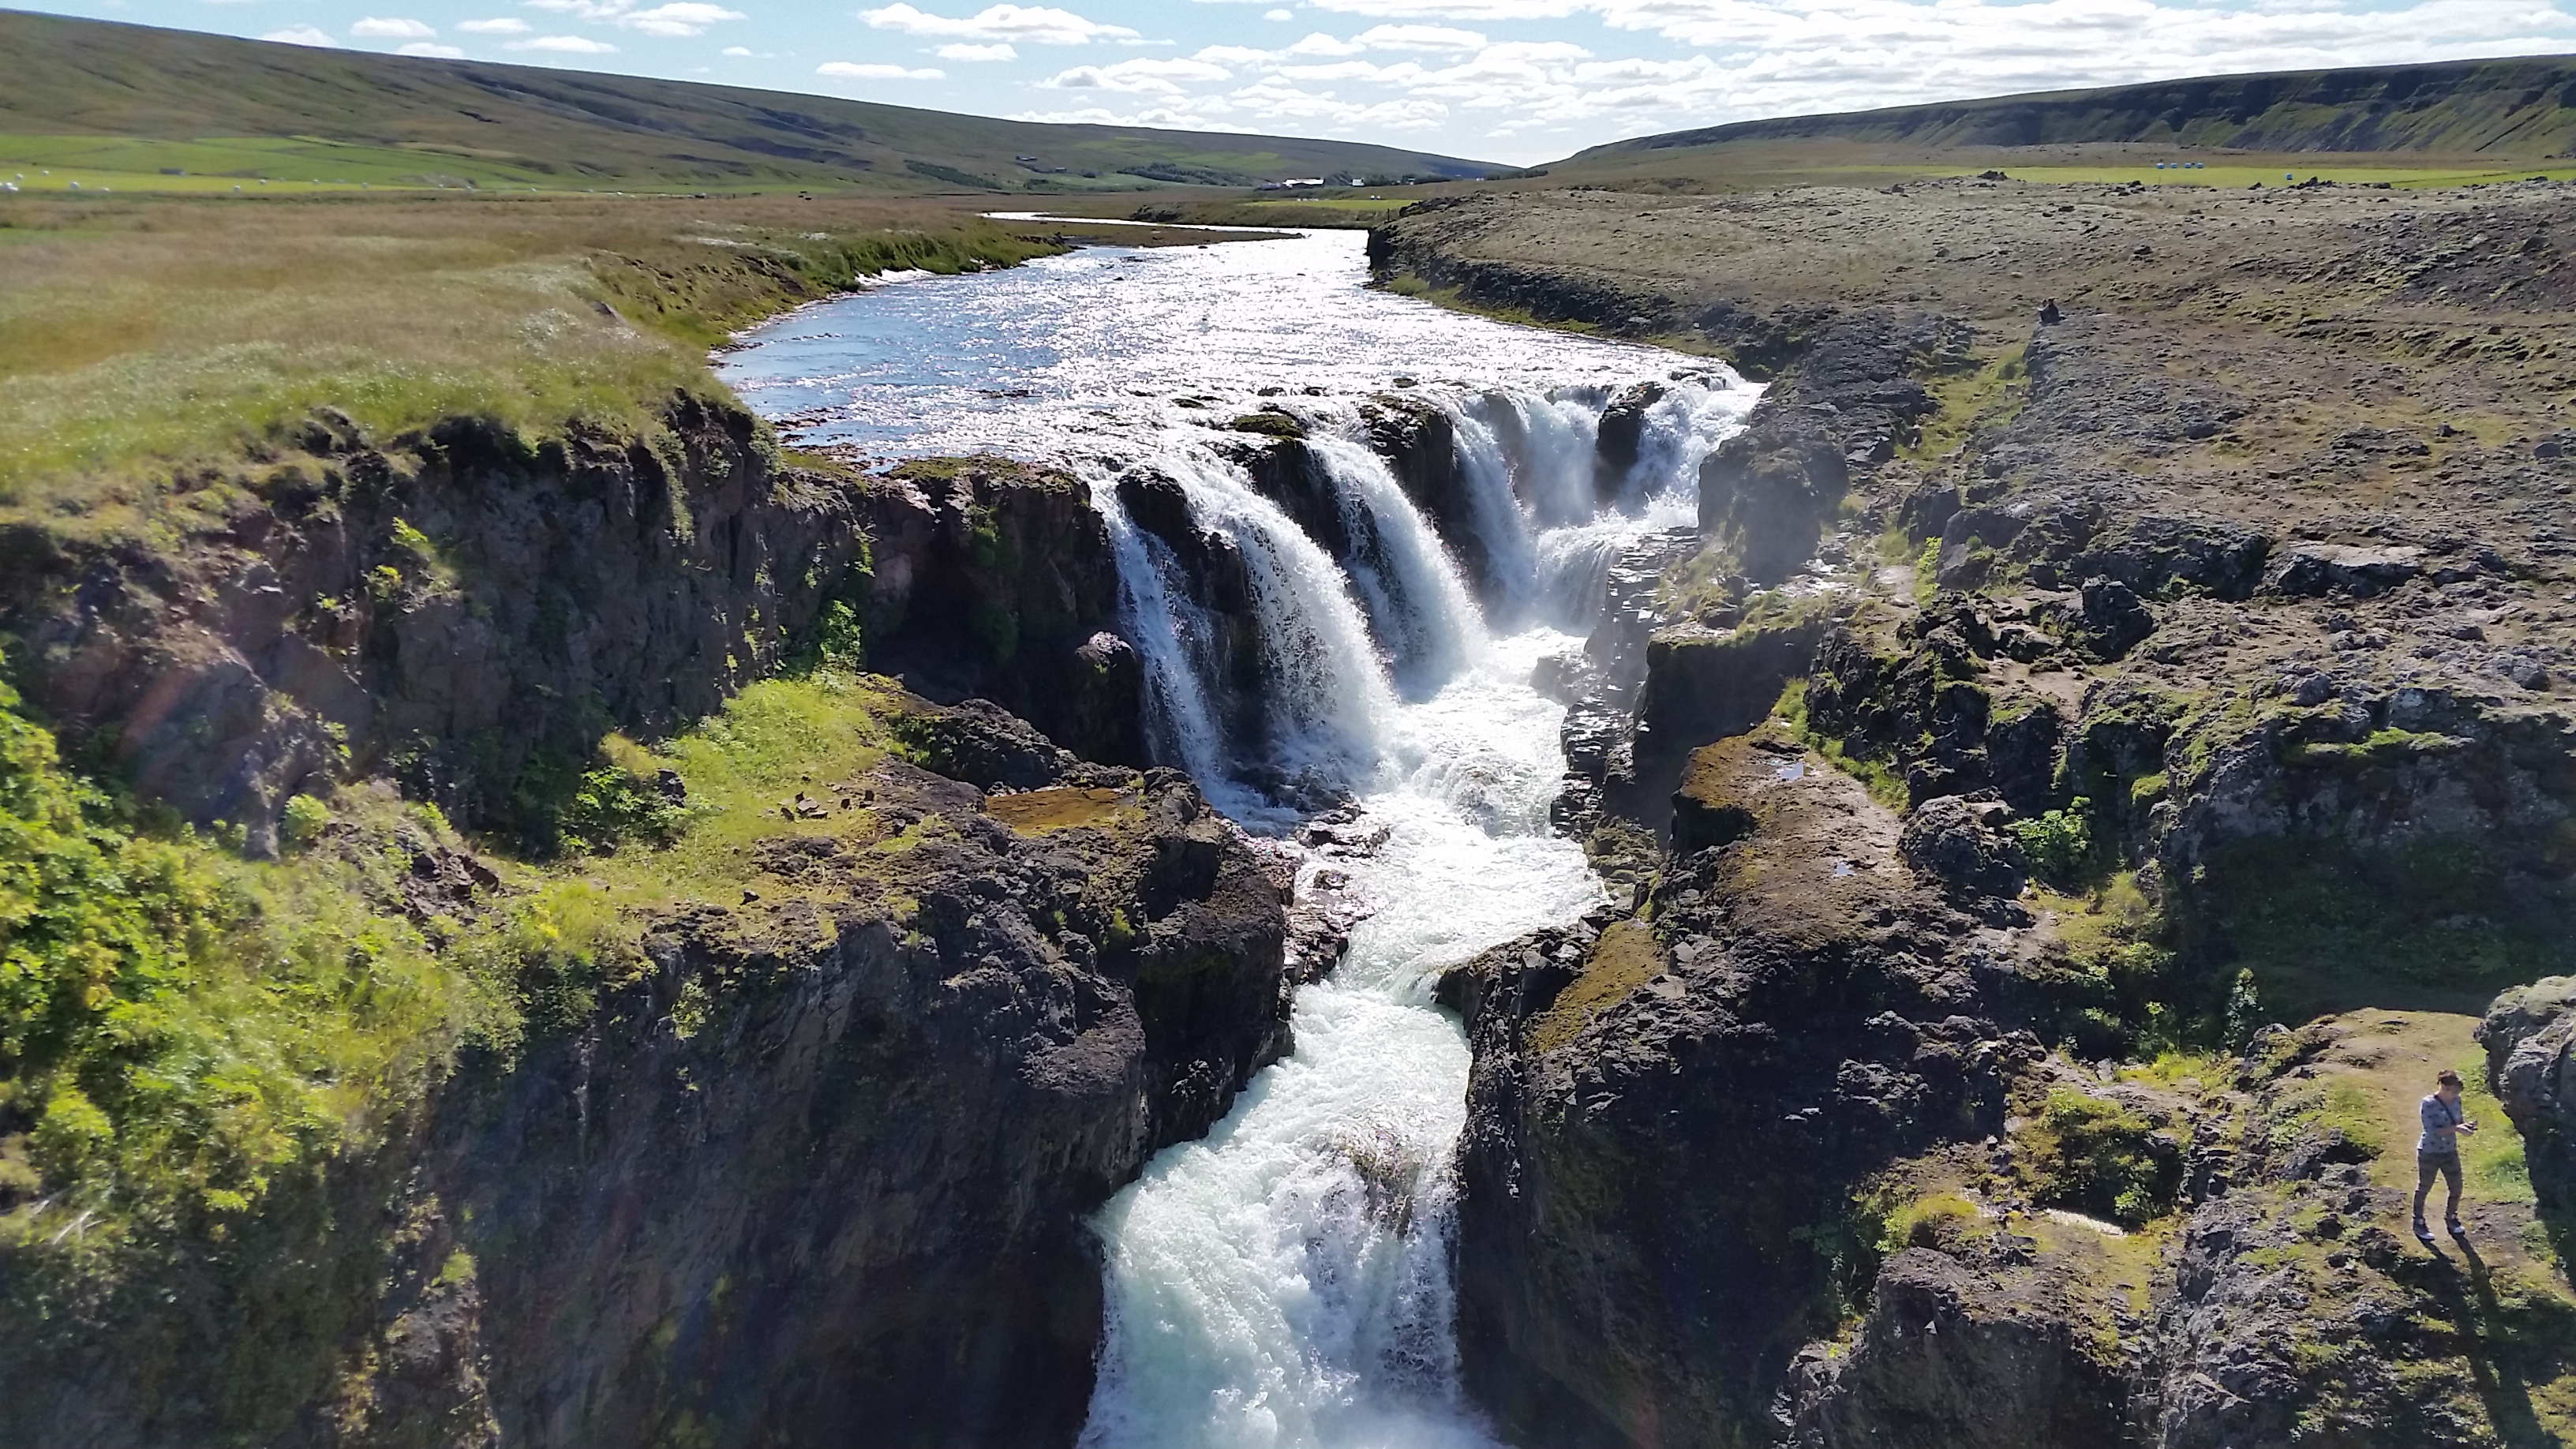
[[2448, 1078]]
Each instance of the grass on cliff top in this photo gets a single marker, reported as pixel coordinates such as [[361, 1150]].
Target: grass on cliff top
[[138, 338]]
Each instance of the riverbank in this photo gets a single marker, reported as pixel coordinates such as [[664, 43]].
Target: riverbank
[[2192, 554]]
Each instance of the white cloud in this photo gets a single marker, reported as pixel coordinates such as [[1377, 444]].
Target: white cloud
[[506, 25], [566, 45], [1278, 14], [372, 28], [860, 70], [1234, 55], [1025, 24], [431, 51], [1418, 37], [682, 19], [974, 53], [690, 17], [1142, 76], [302, 35], [1473, 10], [1321, 44]]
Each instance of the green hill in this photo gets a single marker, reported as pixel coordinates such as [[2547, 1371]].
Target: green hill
[[2502, 108], [136, 100]]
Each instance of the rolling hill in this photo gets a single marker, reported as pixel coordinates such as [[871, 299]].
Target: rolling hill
[[2518, 108], [135, 99]]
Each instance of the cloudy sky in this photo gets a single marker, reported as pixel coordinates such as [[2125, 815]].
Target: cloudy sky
[[1503, 80]]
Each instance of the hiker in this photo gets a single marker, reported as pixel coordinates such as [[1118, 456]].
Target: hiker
[[2438, 1151]]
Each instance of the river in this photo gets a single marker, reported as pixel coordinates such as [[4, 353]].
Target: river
[[1286, 1280]]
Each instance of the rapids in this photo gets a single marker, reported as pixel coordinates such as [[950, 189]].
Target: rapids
[[1286, 1280]]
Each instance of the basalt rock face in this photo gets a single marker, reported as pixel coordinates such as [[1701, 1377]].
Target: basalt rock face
[[1960, 1350], [995, 579], [1769, 493], [451, 606], [813, 1172], [1420, 444], [818, 1178], [1665, 1107]]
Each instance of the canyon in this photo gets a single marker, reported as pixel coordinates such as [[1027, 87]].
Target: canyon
[[1197, 850]]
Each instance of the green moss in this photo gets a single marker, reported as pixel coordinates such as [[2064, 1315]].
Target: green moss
[[1976, 394], [1935, 1220], [1625, 957], [2097, 1157], [181, 1032]]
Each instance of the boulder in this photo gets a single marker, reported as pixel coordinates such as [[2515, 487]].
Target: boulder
[[1768, 493], [2528, 1032], [2311, 569], [2114, 620], [1958, 844], [1622, 434]]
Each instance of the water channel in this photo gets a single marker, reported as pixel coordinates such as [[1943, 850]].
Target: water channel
[[1286, 1280]]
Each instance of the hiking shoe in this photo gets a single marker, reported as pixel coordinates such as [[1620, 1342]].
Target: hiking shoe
[[2423, 1234], [2452, 1226]]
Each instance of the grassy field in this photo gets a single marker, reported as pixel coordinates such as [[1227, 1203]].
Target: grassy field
[[224, 164], [140, 336]]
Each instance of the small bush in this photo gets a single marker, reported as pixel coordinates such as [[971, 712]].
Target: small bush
[[303, 821], [2059, 844]]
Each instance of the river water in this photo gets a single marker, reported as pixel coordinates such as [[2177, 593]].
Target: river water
[[1286, 1281]]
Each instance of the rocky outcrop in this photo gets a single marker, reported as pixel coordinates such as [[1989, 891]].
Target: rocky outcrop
[[808, 1170], [1704, 684], [1972, 1350], [1916, 693], [995, 579], [2526, 1034], [456, 606], [1667, 1111]]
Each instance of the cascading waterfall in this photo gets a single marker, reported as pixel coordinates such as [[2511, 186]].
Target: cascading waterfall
[[1420, 604], [1286, 1281]]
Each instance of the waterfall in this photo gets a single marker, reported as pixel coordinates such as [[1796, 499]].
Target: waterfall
[[1416, 597], [1352, 618], [1286, 1280]]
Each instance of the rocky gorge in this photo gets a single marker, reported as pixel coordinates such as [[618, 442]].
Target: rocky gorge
[[2051, 786], [2076, 794]]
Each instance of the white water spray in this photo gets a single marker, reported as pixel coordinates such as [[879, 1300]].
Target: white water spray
[[1285, 1282]]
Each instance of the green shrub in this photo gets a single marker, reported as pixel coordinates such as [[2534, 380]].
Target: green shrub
[[2059, 843], [179, 1029], [303, 821]]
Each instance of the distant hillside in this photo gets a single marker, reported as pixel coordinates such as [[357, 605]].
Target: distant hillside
[[2524, 107], [68, 78]]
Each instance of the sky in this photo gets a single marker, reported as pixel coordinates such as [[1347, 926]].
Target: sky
[[1514, 81]]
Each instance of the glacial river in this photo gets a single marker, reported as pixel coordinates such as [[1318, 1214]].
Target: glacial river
[[1286, 1281]]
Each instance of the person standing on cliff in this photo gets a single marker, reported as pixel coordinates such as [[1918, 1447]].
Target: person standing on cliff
[[2438, 1152]]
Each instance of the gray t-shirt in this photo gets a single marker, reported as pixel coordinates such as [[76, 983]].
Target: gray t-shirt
[[2437, 1113]]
